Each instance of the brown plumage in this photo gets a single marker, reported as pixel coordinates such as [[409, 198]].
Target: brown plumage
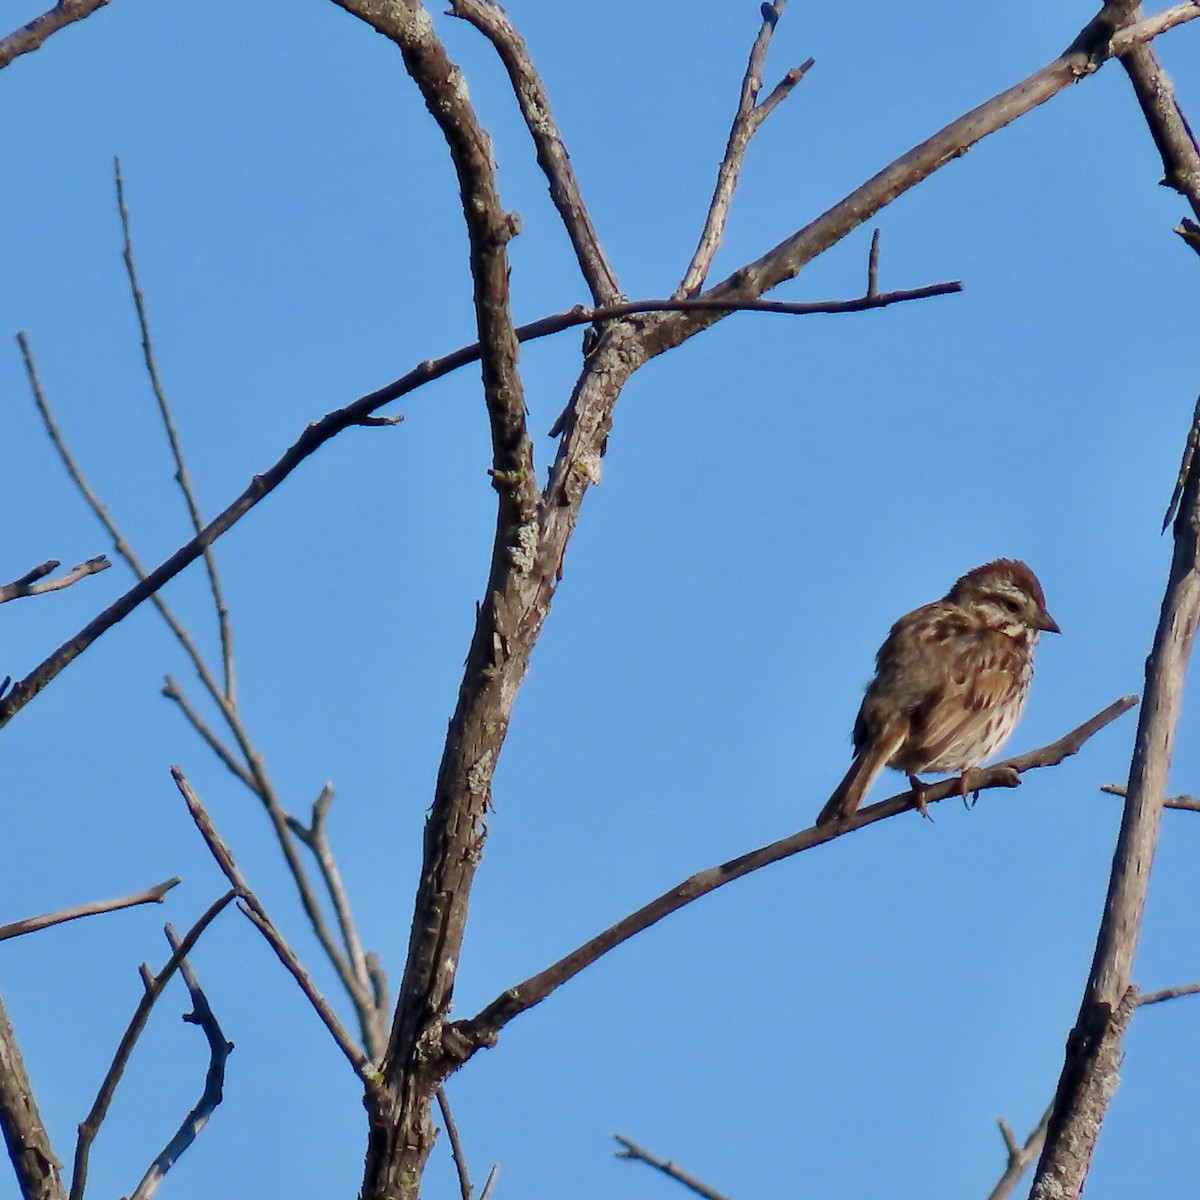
[[950, 683]]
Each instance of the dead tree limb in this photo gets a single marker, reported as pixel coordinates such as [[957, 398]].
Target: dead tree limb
[[1089, 1073]]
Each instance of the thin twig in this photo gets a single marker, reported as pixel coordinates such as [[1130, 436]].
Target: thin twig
[[747, 119], [154, 986], [219, 1051], [30, 37], [35, 583], [172, 691], [873, 265], [1185, 802], [152, 895], [182, 476], [632, 1150], [489, 1182], [456, 1148], [468, 1035], [316, 839], [253, 908], [1171, 993], [1020, 1158]]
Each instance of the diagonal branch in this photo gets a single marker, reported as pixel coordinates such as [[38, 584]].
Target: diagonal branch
[[219, 1051], [750, 115], [30, 37], [483, 1029], [253, 908], [182, 476], [632, 1150], [153, 895], [1168, 125], [492, 21]]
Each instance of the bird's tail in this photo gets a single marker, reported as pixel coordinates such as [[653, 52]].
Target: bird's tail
[[864, 770]]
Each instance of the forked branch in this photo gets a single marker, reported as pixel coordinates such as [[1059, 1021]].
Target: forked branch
[[751, 113], [154, 985], [219, 1051]]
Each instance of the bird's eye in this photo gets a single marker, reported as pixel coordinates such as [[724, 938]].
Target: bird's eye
[[1010, 604]]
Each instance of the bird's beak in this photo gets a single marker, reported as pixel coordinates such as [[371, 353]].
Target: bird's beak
[[1047, 622]]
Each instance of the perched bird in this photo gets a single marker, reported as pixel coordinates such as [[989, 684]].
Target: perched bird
[[950, 683]]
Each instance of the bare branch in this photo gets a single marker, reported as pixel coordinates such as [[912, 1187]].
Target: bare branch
[[29, 585], [465, 1037], [1090, 50], [633, 1151], [254, 774], [39, 1173], [1185, 802], [316, 839], [1171, 993], [1081, 1100], [214, 1081], [746, 283], [181, 472], [749, 116], [152, 895], [122, 547], [1020, 1158], [491, 20], [1168, 125], [873, 266], [252, 907], [172, 691], [456, 1148], [30, 37], [320, 432], [489, 1182], [154, 985]]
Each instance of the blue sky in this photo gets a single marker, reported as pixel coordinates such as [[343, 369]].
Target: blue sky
[[775, 494]]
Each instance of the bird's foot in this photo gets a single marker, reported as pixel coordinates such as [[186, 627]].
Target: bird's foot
[[918, 791]]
